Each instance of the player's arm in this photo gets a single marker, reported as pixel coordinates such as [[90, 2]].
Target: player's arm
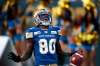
[[27, 52], [25, 55], [64, 44], [63, 40], [60, 54]]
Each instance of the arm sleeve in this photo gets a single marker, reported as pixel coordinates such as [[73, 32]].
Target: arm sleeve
[[29, 34]]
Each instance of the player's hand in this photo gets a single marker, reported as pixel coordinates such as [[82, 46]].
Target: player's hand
[[14, 57]]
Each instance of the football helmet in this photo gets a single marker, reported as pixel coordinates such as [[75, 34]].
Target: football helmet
[[42, 17]]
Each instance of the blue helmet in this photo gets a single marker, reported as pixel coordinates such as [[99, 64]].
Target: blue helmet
[[43, 17]]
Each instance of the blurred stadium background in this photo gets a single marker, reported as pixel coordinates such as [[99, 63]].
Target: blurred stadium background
[[16, 17]]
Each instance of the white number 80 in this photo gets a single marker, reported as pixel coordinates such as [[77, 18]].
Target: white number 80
[[44, 47]]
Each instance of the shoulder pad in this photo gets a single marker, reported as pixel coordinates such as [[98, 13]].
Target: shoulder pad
[[32, 29]]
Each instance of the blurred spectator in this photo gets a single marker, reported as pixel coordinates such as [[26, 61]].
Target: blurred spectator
[[62, 12], [77, 29], [2, 2], [31, 6], [44, 4], [22, 4], [89, 44], [77, 25], [98, 13], [1, 19], [12, 11], [5, 27], [90, 17], [11, 15]]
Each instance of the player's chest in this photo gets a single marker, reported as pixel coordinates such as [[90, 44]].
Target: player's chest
[[45, 34]]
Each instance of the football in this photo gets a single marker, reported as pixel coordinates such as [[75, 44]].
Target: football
[[77, 58]]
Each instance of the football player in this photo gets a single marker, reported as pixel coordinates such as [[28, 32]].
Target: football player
[[42, 39]]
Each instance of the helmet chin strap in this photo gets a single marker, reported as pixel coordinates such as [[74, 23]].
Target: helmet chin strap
[[43, 27], [44, 23]]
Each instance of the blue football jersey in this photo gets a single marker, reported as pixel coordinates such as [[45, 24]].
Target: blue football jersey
[[44, 44]]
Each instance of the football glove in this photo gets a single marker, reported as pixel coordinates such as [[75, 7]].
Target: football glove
[[14, 57]]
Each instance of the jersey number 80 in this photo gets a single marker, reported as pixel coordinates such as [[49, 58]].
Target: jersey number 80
[[46, 47]]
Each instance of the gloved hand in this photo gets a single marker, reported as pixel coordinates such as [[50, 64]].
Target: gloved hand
[[14, 57]]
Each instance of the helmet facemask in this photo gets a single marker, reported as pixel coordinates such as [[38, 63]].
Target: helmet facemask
[[43, 18]]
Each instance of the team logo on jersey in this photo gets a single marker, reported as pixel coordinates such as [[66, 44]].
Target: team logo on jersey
[[45, 31], [36, 33], [59, 32], [29, 35], [53, 32]]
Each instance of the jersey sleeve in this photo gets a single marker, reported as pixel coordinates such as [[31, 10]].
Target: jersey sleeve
[[62, 38], [58, 30], [29, 34]]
